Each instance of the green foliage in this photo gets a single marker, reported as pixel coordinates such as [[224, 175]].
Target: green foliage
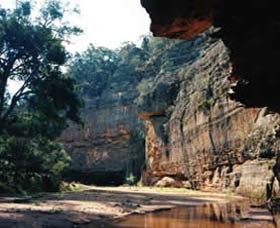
[[132, 55], [156, 45], [95, 68], [131, 179], [144, 87], [32, 53], [92, 69], [31, 164]]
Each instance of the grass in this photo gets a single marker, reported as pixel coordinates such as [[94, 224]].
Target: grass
[[72, 187], [228, 193]]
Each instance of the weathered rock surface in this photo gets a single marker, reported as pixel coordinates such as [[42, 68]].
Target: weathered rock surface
[[169, 182], [250, 30], [201, 136], [108, 148], [196, 137], [111, 144]]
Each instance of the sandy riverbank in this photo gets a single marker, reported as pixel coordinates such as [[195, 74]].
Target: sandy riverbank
[[93, 204]]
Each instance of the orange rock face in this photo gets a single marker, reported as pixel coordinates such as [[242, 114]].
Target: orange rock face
[[179, 18], [210, 141], [104, 146], [182, 28]]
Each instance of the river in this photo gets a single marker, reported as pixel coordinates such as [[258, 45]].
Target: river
[[210, 215]]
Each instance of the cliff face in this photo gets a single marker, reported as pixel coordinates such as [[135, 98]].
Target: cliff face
[[202, 139], [250, 30], [109, 147], [196, 136]]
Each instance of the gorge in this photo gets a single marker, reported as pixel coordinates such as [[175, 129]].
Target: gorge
[[196, 137], [177, 129]]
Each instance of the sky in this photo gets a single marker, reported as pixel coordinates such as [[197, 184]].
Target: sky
[[106, 23]]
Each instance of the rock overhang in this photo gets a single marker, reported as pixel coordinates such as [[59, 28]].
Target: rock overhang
[[250, 29]]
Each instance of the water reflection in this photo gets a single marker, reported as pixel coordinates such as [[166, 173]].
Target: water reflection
[[206, 216]]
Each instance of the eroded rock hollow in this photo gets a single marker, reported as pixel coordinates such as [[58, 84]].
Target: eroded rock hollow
[[250, 29]]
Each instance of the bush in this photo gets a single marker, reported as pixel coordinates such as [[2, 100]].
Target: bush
[[31, 164], [131, 179]]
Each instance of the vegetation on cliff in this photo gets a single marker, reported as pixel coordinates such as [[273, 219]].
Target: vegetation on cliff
[[116, 85], [92, 69]]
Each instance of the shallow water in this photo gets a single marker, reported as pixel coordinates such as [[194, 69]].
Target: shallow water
[[206, 216]]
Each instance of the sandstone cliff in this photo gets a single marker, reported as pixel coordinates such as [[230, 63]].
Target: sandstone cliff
[[250, 29], [199, 137], [109, 147], [196, 137]]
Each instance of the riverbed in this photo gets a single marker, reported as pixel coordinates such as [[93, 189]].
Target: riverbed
[[132, 207]]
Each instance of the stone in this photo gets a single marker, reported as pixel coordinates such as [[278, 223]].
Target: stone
[[169, 182], [256, 178], [187, 184]]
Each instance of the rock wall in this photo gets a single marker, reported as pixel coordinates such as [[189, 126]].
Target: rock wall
[[202, 138], [108, 148], [250, 30], [196, 136]]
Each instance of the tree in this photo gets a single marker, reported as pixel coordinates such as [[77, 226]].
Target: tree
[[92, 69], [32, 52]]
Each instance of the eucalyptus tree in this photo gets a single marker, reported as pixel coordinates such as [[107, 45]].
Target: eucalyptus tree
[[33, 53]]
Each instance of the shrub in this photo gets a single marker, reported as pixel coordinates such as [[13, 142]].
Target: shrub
[[131, 179], [31, 164]]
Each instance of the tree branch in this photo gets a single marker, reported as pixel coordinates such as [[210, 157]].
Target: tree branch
[[17, 96], [4, 81]]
